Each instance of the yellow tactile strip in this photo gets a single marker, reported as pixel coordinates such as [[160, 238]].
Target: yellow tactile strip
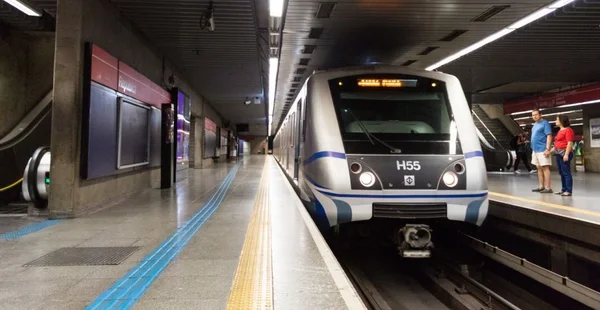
[[546, 204], [253, 282]]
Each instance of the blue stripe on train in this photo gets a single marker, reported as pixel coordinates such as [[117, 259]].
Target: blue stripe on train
[[324, 154]]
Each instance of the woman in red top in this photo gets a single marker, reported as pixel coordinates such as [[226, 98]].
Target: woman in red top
[[563, 152]]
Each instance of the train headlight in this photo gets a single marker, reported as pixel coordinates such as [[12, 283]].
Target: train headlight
[[367, 179], [450, 179]]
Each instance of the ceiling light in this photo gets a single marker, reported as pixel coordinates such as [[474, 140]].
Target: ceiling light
[[276, 8], [471, 48], [24, 7], [560, 4], [531, 17], [273, 64], [518, 24]]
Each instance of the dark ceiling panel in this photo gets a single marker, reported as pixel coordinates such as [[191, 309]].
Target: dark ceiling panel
[[361, 32], [223, 65]]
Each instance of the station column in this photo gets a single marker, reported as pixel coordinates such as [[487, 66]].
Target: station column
[[66, 109]]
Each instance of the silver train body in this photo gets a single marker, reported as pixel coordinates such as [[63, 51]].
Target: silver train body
[[420, 160]]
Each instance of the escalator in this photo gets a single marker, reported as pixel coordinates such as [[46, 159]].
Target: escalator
[[497, 158], [18, 146]]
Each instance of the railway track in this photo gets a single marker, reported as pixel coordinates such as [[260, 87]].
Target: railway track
[[469, 275]]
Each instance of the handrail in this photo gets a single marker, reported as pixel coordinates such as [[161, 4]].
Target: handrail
[[488, 130]]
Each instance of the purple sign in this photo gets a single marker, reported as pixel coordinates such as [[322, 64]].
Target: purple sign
[[183, 130]]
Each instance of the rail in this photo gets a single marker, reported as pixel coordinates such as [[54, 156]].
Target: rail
[[564, 285], [495, 140]]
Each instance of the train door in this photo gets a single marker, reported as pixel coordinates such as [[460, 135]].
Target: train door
[[297, 131], [292, 145], [284, 147]]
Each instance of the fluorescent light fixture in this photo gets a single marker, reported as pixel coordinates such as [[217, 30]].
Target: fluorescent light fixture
[[276, 8], [577, 124], [24, 7], [523, 112], [560, 4], [518, 24], [273, 66], [580, 103], [471, 48], [530, 18]]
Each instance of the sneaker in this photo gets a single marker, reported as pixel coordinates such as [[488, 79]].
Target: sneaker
[[518, 171], [533, 171], [537, 190], [547, 191], [559, 193]]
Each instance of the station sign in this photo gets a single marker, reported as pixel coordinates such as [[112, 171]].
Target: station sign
[[573, 96]]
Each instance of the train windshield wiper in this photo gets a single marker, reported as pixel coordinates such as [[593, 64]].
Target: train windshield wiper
[[371, 136]]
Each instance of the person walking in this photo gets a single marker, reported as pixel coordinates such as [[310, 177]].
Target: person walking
[[522, 148], [563, 152], [541, 140]]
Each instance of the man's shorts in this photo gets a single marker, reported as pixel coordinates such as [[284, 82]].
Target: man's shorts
[[538, 159]]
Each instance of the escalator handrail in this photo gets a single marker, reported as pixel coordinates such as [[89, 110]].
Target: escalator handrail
[[488, 130], [28, 123]]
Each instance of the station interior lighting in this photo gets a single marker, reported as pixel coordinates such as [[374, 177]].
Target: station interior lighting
[[273, 67], [499, 34], [24, 7], [276, 8]]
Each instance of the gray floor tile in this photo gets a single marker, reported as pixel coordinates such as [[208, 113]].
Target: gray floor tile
[[24, 303], [45, 288], [213, 287], [87, 289], [181, 304], [201, 268], [33, 274], [63, 305]]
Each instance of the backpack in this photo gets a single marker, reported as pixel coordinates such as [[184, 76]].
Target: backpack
[[513, 142]]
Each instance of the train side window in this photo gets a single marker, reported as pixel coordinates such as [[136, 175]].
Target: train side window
[[304, 117], [293, 129]]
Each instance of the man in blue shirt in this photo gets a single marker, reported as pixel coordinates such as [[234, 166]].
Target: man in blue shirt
[[541, 140]]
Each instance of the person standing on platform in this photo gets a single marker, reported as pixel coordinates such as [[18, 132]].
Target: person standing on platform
[[541, 141], [522, 149], [563, 152]]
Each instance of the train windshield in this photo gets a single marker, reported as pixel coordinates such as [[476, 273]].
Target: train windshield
[[394, 114]]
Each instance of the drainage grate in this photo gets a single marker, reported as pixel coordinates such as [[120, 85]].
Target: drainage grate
[[84, 256]]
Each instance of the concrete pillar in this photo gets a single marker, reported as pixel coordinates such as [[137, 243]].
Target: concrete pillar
[[66, 109]]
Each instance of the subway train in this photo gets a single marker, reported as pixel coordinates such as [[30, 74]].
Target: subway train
[[385, 142]]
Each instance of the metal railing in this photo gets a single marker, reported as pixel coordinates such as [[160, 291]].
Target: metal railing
[[495, 141]]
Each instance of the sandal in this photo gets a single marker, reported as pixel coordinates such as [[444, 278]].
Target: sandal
[[537, 190], [547, 191]]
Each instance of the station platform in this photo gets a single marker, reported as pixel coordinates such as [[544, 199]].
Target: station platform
[[517, 189], [234, 236], [576, 217]]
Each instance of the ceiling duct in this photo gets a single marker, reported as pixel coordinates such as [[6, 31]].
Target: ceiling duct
[[489, 13], [453, 35], [325, 8], [428, 50]]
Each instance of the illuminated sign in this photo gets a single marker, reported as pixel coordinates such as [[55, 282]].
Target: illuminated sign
[[386, 83]]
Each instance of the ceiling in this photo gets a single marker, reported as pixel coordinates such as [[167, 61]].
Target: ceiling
[[558, 50], [231, 63]]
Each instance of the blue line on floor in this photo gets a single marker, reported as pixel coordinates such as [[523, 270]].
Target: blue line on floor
[[28, 229], [124, 293]]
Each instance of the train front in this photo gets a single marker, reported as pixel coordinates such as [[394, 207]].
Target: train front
[[411, 156]]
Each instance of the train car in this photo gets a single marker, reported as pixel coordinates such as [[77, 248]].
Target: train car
[[385, 142]]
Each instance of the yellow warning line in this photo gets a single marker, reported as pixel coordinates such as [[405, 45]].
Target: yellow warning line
[[546, 204], [252, 285]]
